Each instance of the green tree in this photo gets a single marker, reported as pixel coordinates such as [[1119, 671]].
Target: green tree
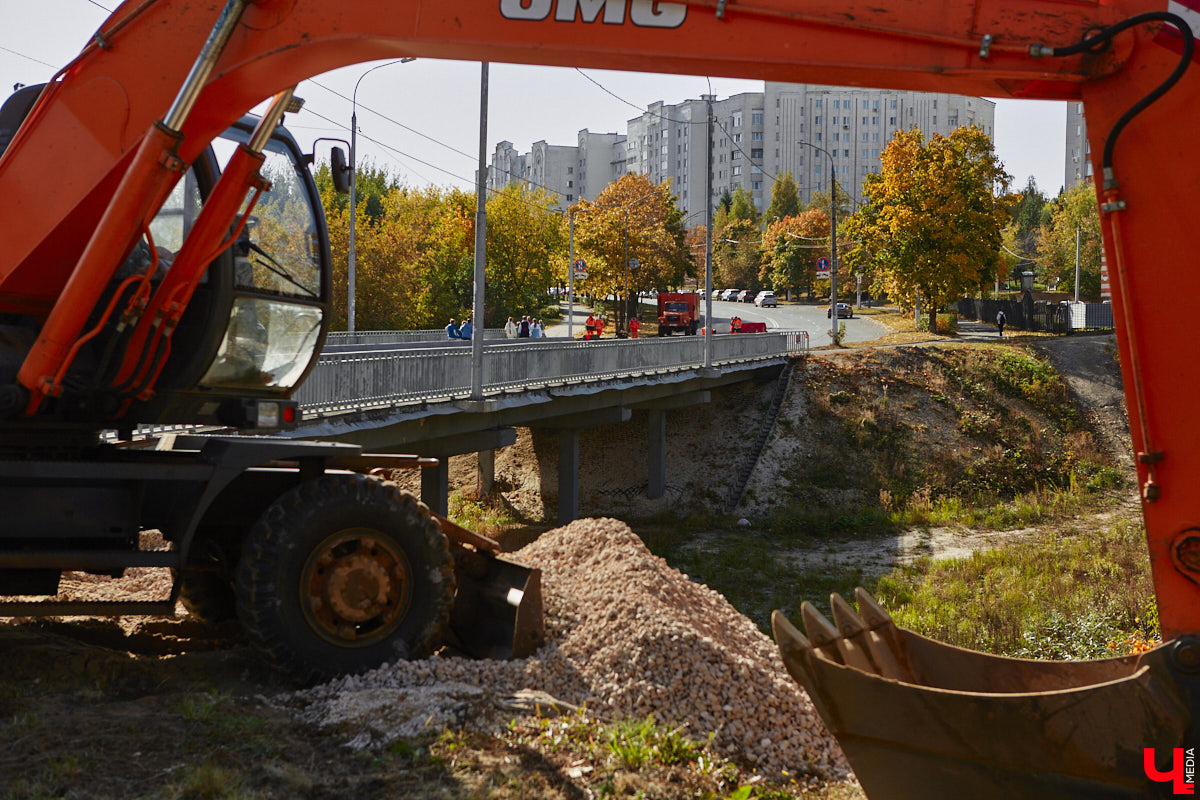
[[737, 255], [632, 207], [742, 206], [371, 185], [785, 199], [791, 247], [931, 228], [1074, 208]]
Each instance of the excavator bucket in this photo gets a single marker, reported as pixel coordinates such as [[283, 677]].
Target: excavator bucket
[[921, 719], [498, 609]]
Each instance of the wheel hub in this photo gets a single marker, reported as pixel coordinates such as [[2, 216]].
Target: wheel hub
[[356, 588]]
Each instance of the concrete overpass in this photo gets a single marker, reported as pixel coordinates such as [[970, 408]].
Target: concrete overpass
[[399, 394]]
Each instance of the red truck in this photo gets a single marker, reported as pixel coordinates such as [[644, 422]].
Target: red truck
[[678, 311]]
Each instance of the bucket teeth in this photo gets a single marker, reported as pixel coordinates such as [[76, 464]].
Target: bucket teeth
[[820, 632], [849, 624], [872, 613]]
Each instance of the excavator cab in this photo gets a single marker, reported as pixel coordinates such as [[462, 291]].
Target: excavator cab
[[257, 320]]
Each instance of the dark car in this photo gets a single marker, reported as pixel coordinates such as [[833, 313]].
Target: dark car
[[844, 311]]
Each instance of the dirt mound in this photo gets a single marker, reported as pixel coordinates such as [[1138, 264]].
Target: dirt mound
[[627, 636]]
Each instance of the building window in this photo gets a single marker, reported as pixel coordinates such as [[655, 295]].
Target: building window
[[837, 103], [835, 136], [817, 121], [891, 120], [737, 137], [816, 169], [735, 155], [874, 120], [570, 170], [737, 119], [864, 137], [756, 136], [934, 122], [874, 137], [756, 153], [756, 186], [893, 104], [777, 102], [864, 122], [875, 106], [570, 184], [818, 137], [570, 197], [737, 171], [864, 105], [845, 154], [818, 104], [756, 118], [777, 152]]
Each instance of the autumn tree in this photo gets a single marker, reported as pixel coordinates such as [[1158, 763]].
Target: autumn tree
[[526, 251], [1021, 236], [1073, 209], [791, 247], [737, 255], [785, 200], [931, 227], [632, 207]]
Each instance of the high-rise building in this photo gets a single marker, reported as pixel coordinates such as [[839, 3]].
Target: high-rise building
[[756, 136], [1078, 151]]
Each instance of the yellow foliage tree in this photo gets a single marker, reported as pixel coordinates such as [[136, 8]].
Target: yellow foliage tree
[[791, 247], [931, 228], [631, 209]]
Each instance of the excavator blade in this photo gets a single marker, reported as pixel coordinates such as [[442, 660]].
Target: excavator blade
[[921, 719], [498, 610]]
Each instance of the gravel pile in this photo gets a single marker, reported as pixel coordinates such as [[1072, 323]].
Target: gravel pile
[[627, 635]]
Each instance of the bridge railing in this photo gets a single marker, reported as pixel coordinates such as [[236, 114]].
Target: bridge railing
[[398, 337], [356, 380]]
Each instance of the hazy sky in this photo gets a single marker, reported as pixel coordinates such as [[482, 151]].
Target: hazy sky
[[438, 101]]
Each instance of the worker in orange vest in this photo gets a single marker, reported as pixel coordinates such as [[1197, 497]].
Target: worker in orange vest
[[633, 327], [735, 325], [591, 328], [599, 326]]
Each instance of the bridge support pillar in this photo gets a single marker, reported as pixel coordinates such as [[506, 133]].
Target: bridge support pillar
[[435, 486], [656, 462], [487, 471], [568, 475]]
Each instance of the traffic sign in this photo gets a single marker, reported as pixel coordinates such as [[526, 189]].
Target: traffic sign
[[822, 265], [580, 268]]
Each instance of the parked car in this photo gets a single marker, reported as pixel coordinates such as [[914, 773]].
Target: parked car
[[766, 300], [746, 296], [716, 294], [730, 294], [844, 311]]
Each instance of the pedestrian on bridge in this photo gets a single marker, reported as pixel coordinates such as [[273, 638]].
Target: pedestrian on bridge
[[523, 331], [633, 327], [599, 326], [510, 329], [466, 330], [590, 328], [452, 331], [535, 330]]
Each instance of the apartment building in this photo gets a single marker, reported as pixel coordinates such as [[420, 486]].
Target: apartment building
[[756, 136], [1078, 167]]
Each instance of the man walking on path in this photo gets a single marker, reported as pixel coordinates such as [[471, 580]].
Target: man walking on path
[[1000, 320], [510, 329], [452, 331]]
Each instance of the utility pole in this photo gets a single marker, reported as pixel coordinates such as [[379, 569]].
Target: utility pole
[[1077, 262], [477, 310], [708, 237]]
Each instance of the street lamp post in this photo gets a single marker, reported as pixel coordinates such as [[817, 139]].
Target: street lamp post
[[627, 207], [571, 273], [833, 266], [353, 187]]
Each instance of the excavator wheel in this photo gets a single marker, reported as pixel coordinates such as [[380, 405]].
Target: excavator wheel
[[344, 573]]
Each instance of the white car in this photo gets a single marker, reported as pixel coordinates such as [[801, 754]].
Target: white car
[[766, 300], [730, 294]]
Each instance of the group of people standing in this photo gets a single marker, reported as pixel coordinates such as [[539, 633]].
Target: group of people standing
[[527, 328], [594, 327]]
